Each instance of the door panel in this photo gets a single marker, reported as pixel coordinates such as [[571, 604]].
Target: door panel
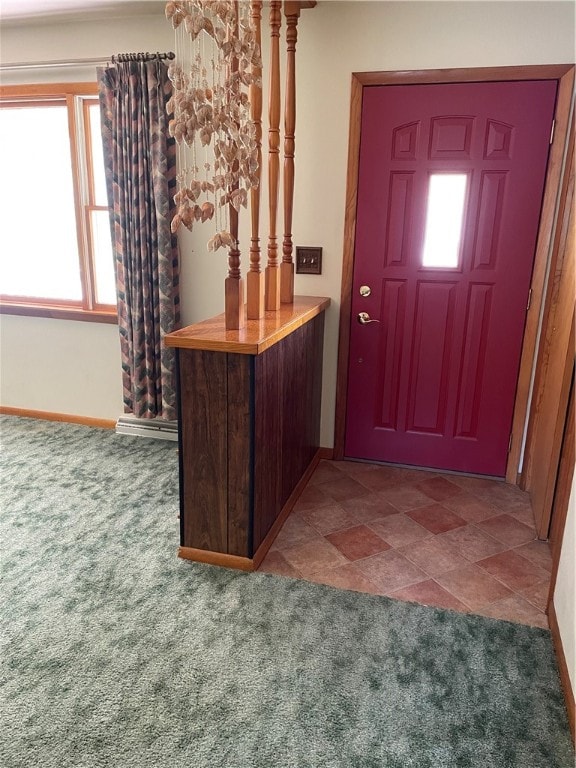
[[433, 382], [430, 358]]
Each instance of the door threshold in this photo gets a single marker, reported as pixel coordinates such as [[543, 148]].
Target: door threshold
[[435, 470]]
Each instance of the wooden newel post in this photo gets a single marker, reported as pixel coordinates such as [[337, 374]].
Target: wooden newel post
[[272, 274], [255, 276], [292, 13]]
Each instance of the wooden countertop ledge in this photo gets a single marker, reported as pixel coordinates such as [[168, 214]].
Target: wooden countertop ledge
[[256, 336]]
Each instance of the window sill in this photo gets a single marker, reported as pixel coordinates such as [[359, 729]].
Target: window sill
[[59, 313]]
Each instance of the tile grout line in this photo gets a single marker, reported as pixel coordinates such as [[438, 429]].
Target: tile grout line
[[483, 497], [430, 577]]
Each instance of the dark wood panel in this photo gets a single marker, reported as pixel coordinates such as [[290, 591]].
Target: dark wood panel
[[288, 384], [260, 553], [293, 407], [301, 385], [304, 402], [203, 446], [307, 446], [267, 441], [240, 454], [317, 366], [250, 428]]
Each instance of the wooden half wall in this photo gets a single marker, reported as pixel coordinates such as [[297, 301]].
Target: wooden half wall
[[249, 428]]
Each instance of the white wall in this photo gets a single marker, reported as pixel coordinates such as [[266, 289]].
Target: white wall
[[66, 366], [58, 366], [335, 39], [565, 591]]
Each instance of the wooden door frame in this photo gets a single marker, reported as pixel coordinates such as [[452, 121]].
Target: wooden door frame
[[564, 73], [555, 366]]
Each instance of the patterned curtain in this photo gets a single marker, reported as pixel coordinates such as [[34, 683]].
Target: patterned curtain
[[140, 160]]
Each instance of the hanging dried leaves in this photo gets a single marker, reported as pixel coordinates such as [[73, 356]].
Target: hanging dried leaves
[[210, 108]]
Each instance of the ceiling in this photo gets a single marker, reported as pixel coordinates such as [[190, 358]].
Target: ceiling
[[18, 11]]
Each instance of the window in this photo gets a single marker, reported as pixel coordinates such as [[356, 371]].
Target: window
[[444, 217], [55, 247]]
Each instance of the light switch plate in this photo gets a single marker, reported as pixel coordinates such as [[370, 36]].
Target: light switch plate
[[308, 260]]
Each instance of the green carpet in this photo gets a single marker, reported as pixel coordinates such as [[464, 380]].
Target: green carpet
[[116, 654]]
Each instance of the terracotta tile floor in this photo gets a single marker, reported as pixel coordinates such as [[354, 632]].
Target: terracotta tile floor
[[445, 540]]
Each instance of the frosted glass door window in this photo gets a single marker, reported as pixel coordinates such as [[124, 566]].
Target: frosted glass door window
[[444, 218]]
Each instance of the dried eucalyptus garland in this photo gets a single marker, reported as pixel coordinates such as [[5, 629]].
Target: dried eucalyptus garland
[[211, 112]]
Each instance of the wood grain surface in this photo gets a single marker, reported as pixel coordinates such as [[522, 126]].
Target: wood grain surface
[[256, 336]]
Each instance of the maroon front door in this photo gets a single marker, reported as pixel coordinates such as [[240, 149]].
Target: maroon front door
[[449, 195]]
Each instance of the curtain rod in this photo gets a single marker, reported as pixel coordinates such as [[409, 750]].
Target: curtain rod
[[85, 62], [142, 56]]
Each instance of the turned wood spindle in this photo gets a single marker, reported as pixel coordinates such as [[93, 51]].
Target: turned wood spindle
[[272, 274], [292, 13], [255, 276], [234, 285]]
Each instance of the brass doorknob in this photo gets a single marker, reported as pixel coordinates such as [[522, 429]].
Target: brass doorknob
[[364, 318]]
